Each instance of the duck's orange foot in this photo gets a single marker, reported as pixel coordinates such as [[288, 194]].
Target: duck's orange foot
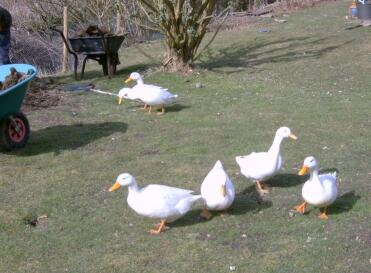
[[323, 215], [162, 111], [301, 208], [158, 228], [224, 214], [206, 214], [262, 187]]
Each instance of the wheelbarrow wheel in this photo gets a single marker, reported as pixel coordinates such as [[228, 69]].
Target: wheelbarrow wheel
[[15, 131]]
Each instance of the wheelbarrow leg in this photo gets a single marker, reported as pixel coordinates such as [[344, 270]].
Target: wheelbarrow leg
[[104, 63], [109, 65], [83, 67], [75, 65]]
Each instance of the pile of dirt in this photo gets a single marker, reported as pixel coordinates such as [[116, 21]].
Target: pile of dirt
[[41, 94], [93, 31], [13, 78]]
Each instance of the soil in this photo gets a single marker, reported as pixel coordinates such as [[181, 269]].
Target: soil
[[41, 94]]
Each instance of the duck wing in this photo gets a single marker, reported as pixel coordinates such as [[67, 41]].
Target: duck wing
[[253, 163], [164, 195]]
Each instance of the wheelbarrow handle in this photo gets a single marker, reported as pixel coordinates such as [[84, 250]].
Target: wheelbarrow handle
[[55, 28]]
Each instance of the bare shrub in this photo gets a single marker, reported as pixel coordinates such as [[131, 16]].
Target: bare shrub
[[32, 48], [290, 5]]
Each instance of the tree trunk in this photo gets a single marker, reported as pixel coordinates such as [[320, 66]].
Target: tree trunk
[[176, 62]]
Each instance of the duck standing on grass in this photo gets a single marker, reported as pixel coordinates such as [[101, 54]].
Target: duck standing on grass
[[262, 166], [152, 95], [217, 190], [320, 190], [156, 201]]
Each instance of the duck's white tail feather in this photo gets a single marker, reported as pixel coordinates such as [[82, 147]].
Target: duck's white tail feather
[[185, 204]]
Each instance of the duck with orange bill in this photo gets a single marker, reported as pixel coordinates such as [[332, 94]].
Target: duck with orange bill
[[263, 165], [161, 202], [152, 95], [129, 94], [320, 190]]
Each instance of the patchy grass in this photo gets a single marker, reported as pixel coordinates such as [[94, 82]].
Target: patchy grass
[[310, 73]]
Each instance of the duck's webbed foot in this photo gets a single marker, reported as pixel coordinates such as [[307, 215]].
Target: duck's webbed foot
[[301, 208], [323, 215], [262, 187], [159, 228], [206, 214]]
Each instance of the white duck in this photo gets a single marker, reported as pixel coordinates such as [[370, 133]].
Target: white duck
[[217, 190], [129, 94], [319, 190], [156, 201], [262, 166], [151, 95]]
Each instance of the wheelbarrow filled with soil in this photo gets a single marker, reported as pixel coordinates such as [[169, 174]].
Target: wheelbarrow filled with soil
[[14, 83]]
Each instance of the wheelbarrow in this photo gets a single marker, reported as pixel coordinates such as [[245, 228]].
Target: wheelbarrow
[[102, 49], [14, 126]]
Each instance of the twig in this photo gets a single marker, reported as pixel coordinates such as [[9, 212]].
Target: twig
[[103, 92]]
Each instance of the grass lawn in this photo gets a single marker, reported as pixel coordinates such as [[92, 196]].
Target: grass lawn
[[311, 73]]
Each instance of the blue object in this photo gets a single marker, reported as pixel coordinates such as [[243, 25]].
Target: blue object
[[11, 99], [4, 47], [262, 30], [353, 11]]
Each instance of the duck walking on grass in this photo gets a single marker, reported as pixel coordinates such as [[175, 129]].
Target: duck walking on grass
[[262, 166], [217, 190], [320, 190], [152, 95], [156, 201], [129, 94]]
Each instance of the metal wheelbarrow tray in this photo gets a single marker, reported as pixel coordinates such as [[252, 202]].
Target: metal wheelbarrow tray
[[14, 126], [102, 48]]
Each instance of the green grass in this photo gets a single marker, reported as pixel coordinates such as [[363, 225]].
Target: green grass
[[311, 73]]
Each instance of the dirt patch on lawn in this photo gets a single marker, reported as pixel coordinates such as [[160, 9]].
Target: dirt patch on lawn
[[41, 94]]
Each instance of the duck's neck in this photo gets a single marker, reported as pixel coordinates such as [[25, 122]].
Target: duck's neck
[[314, 179], [314, 175], [140, 81], [133, 188], [275, 147]]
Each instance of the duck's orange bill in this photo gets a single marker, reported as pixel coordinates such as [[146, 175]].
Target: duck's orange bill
[[128, 80], [304, 170], [114, 186], [120, 100], [293, 136]]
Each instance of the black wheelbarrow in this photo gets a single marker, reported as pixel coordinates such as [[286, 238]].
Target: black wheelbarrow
[[102, 49]]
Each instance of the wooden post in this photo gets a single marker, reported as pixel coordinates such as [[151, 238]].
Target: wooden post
[[65, 33], [118, 23]]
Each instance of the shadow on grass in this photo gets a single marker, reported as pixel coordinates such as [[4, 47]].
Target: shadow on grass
[[328, 170], [292, 180], [262, 51], [68, 137], [286, 180], [97, 73], [249, 200], [190, 219], [171, 108], [344, 203], [353, 27], [246, 201], [176, 107]]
